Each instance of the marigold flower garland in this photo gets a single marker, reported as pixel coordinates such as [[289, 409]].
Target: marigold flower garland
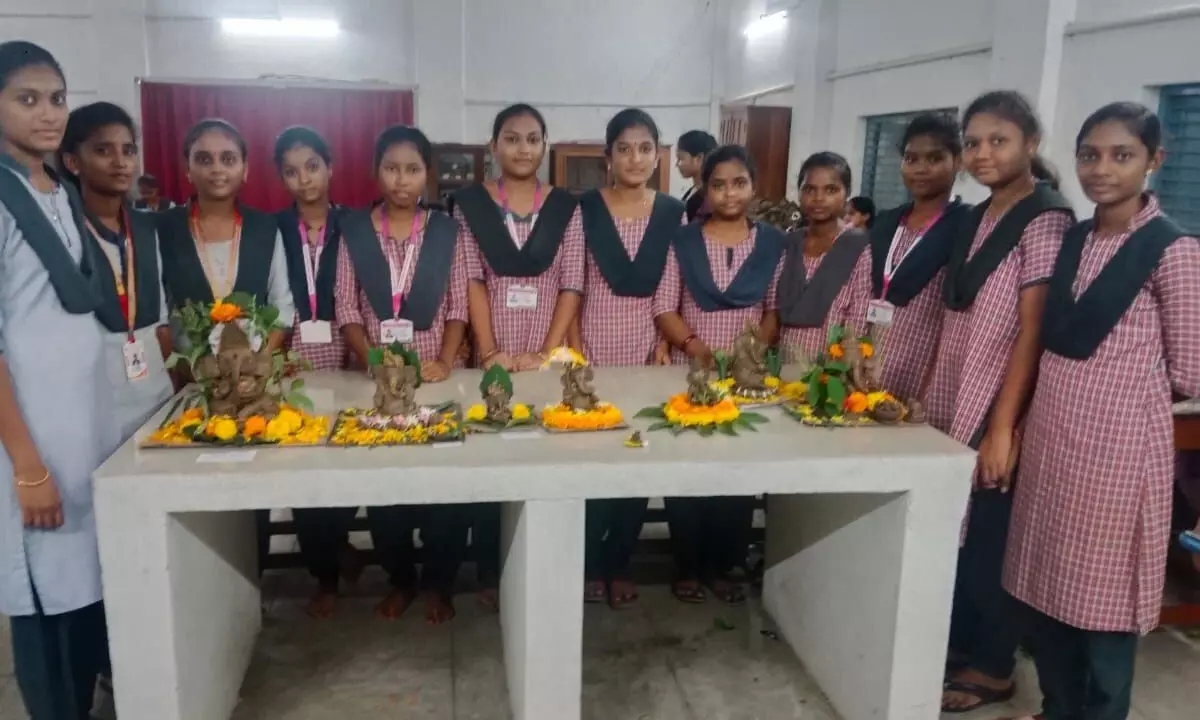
[[291, 427]]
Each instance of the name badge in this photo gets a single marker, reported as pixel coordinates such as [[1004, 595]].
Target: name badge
[[316, 332], [395, 331], [521, 297], [880, 312], [135, 360]]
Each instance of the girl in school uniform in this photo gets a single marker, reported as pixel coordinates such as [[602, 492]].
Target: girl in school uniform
[[55, 419], [984, 373], [690, 150], [402, 278], [721, 274], [628, 230], [100, 151], [213, 245], [1087, 548], [910, 246], [524, 255], [826, 269], [311, 236]]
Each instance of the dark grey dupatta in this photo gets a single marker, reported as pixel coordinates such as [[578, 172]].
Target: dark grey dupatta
[[805, 301]]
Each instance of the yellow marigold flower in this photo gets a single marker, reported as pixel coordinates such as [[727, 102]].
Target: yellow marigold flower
[[477, 413], [771, 382], [291, 419], [223, 428], [521, 412]]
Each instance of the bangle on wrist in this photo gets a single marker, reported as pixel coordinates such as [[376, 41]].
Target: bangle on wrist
[[687, 341], [45, 477], [489, 355]]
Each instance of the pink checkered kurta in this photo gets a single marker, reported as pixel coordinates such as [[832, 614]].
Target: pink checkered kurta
[[849, 309], [518, 330], [977, 342], [617, 330], [716, 329], [1092, 513], [330, 356], [909, 344], [352, 306]]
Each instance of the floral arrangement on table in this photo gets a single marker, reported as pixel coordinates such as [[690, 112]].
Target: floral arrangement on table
[[581, 409], [396, 418], [706, 407], [243, 394], [497, 412], [843, 388], [749, 375]]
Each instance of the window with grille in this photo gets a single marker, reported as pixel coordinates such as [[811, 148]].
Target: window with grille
[[1178, 184], [881, 157]]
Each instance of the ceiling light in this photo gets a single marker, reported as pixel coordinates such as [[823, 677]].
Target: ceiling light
[[767, 24], [287, 27]]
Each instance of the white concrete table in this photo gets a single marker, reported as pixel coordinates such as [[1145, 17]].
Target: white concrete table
[[861, 543]]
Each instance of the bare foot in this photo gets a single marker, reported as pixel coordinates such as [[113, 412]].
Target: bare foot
[[622, 594], [323, 604], [959, 696], [594, 591], [490, 598], [351, 562], [438, 608], [394, 605]]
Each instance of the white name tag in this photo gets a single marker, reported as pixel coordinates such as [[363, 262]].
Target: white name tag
[[395, 331], [316, 332], [521, 297], [135, 360], [879, 312]]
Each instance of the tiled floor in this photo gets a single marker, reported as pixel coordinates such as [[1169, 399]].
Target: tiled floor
[[659, 661]]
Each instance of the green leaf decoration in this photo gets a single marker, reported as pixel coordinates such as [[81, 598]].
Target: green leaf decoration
[[749, 426], [774, 361], [706, 430], [297, 384], [835, 395], [721, 359], [375, 356], [678, 430], [754, 418], [661, 425], [496, 374], [837, 366], [655, 412], [268, 318], [814, 393], [727, 429], [836, 333], [174, 360]]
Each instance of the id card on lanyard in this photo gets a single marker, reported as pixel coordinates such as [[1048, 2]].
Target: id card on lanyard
[[124, 271], [880, 312], [313, 331], [397, 329], [509, 219]]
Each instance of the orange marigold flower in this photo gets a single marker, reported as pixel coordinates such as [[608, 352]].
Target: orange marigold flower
[[836, 351], [866, 349], [856, 402], [223, 312], [255, 425]]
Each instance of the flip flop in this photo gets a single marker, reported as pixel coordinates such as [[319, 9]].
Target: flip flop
[[987, 696], [691, 596], [594, 592], [622, 603], [734, 594]]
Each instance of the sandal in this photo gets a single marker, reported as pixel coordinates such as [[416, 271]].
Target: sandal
[[622, 602], [685, 592], [987, 696], [594, 592], [730, 593]]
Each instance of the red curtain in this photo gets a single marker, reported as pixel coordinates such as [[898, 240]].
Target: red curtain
[[349, 119]]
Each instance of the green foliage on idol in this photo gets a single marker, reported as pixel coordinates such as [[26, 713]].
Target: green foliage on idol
[[496, 375], [827, 379], [376, 356]]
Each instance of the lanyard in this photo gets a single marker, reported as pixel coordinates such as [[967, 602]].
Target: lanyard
[[509, 219], [400, 279], [310, 265], [126, 280], [198, 238], [891, 263]]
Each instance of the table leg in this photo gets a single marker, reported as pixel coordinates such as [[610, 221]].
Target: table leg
[[541, 607], [861, 587], [183, 609]]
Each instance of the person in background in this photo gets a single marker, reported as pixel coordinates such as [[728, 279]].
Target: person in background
[[311, 235], [56, 421], [1091, 523], [721, 274], [985, 369], [826, 270], [525, 286], [690, 150], [100, 152], [402, 278], [628, 230], [910, 246], [860, 212], [213, 245], [149, 197]]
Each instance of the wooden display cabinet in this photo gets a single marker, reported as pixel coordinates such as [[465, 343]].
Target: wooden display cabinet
[[766, 132], [455, 167], [583, 166]]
